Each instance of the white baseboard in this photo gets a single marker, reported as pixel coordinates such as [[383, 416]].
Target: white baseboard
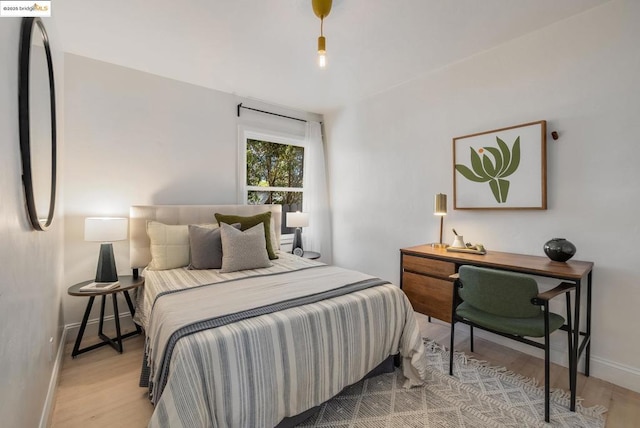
[[126, 325], [616, 373], [47, 410]]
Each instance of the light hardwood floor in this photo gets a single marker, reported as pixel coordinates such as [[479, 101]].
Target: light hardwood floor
[[100, 388]]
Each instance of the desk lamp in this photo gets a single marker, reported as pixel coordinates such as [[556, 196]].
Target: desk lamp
[[105, 230], [440, 209]]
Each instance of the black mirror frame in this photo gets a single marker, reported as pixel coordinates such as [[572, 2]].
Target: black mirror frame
[[24, 117]]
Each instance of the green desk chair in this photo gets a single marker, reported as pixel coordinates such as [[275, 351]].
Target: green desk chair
[[510, 305]]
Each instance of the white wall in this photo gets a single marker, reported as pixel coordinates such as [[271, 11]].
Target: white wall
[[134, 138], [31, 262], [389, 154]]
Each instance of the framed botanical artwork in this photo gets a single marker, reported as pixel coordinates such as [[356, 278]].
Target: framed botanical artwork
[[501, 169]]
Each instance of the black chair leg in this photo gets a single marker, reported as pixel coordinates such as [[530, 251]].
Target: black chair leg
[[454, 302], [570, 342], [453, 329], [471, 331]]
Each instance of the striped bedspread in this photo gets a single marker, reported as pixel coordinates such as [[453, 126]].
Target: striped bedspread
[[167, 281], [262, 368]]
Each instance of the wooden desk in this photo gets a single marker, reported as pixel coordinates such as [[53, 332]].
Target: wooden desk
[[424, 277]]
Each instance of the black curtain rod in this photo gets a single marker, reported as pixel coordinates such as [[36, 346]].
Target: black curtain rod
[[268, 112]]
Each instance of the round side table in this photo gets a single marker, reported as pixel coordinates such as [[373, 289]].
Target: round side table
[[125, 283], [311, 255]]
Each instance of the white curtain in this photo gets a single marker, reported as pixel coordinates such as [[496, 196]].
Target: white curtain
[[317, 236]]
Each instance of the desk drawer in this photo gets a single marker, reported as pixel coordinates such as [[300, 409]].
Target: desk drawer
[[429, 296], [428, 266]]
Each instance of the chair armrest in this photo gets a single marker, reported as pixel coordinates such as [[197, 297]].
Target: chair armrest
[[563, 287], [454, 276]]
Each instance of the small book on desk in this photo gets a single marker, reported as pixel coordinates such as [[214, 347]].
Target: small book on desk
[[99, 286]]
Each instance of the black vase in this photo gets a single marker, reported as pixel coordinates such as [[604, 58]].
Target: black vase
[[559, 249]]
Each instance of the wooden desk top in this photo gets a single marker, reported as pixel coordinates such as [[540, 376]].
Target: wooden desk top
[[535, 265]]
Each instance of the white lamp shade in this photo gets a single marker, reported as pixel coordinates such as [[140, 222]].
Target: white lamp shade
[[297, 219], [105, 229]]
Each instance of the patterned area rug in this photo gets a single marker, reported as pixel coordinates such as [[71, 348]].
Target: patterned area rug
[[477, 396]]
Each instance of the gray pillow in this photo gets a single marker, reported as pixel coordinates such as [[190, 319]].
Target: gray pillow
[[206, 247], [243, 250]]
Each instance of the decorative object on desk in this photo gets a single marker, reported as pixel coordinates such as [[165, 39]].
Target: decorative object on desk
[[458, 241], [559, 249], [106, 230], [472, 249], [440, 209], [459, 246], [517, 152], [297, 220]]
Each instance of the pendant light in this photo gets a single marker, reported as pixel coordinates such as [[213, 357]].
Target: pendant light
[[322, 8]]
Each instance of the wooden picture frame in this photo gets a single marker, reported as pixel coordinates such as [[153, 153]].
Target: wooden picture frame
[[501, 169]]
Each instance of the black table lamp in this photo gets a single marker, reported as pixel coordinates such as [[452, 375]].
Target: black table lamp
[[297, 220], [106, 230]]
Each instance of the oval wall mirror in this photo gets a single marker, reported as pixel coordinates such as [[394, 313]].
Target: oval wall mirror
[[37, 112]]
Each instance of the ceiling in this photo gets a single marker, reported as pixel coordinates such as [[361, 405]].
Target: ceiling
[[265, 49]]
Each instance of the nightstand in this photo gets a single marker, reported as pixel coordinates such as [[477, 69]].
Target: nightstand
[[311, 255], [127, 282]]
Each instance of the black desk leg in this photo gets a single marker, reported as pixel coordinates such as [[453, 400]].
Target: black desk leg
[[83, 325], [588, 338]]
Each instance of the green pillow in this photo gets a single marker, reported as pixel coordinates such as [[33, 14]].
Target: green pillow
[[249, 222]]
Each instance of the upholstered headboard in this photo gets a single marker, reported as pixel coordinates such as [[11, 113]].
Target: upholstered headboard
[[139, 215]]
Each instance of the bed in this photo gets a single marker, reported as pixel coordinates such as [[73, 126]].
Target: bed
[[264, 346]]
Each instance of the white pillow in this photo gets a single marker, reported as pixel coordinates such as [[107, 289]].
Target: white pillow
[[243, 250], [169, 245]]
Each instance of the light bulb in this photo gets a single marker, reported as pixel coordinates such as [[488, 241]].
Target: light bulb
[[322, 59], [322, 52]]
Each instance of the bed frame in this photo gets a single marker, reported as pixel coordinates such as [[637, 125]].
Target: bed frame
[[140, 254]]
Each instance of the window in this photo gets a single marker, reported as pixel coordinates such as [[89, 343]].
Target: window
[[274, 173]]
